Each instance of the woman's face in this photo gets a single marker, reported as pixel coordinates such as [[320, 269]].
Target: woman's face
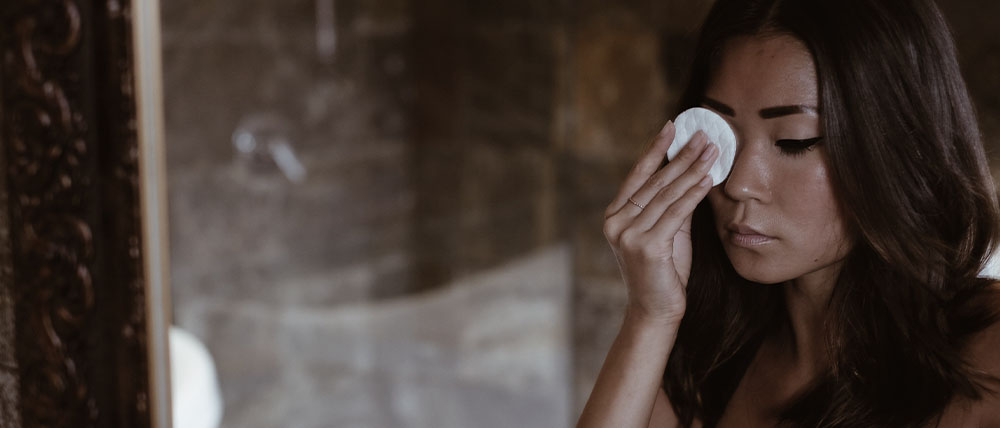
[[766, 88]]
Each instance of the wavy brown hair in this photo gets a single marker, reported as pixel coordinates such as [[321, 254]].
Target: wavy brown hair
[[910, 173]]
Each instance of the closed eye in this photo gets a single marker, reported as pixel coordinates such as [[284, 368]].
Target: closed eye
[[797, 147]]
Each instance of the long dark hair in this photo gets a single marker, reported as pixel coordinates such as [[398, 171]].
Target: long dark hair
[[910, 173]]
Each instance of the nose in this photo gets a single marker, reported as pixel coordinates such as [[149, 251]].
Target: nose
[[750, 177]]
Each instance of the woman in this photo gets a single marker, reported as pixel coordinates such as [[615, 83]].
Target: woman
[[832, 279]]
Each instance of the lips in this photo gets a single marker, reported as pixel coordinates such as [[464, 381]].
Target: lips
[[744, 229], [743, 235]]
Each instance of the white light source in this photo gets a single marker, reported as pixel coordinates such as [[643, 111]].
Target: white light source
[[197, 402]]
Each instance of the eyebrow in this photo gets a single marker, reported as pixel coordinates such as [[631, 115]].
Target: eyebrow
[[766, 113]]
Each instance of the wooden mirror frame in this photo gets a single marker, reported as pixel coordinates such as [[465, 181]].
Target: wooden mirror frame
[[83, 267]]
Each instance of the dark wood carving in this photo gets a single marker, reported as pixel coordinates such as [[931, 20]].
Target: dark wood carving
[[71, 167]]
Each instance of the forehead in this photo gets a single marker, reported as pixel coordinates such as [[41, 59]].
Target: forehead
[[763, 71]]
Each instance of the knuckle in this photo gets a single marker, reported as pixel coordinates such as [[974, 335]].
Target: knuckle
[[691, 178], [690, 154], [695, 189], [674, 210], [659, 181], [667, 193], [644, 166], [696, 192], [630, 240], [611, 231]]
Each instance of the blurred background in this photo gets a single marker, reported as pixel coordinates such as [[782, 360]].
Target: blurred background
[[387, 213]]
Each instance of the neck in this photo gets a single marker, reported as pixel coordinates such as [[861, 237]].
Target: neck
[[807, 299]]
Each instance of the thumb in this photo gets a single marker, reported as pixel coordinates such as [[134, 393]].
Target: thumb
[[686, 226], [683, 249]]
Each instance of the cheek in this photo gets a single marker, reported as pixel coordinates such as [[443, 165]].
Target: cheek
[[806, 195], [811, 211], [716, 200]]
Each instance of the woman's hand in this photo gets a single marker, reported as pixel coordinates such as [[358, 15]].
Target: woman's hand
[[649, 225], [653, 246]]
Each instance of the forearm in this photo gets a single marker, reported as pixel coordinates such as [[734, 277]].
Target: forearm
[[626, 387]]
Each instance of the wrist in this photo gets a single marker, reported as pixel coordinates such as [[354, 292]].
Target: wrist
[[655, 335], [635, 314]]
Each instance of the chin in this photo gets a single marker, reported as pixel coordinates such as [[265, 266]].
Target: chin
[[756, 269], [763, 279]]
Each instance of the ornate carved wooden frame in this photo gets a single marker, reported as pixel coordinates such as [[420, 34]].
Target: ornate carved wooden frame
[[82, 287]]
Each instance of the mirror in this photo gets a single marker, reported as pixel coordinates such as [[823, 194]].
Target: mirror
[[389, 213], [340, 212]]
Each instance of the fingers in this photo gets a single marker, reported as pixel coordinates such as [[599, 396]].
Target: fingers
[[659, 190], [664, 200], [643, 169], [687, 157], [676, 214]]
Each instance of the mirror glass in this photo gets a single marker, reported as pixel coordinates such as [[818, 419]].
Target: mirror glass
[[388, 213]]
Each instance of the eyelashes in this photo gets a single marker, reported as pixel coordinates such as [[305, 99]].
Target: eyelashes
[[797, 147]]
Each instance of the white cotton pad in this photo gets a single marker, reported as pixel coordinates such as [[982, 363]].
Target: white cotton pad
[[719, 133]]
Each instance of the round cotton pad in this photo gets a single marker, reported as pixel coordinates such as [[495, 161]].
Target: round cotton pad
[[719, 133]]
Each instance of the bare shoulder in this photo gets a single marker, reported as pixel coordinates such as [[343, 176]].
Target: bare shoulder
[[983, 354], [984, 349]]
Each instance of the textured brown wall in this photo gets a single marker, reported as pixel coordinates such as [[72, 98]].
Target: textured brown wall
[[240, 227], [486, 133], [249, 247]]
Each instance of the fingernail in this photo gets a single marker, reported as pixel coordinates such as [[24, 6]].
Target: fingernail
[[666, 127]]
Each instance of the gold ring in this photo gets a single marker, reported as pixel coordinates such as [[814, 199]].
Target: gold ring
[[641, 207]]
